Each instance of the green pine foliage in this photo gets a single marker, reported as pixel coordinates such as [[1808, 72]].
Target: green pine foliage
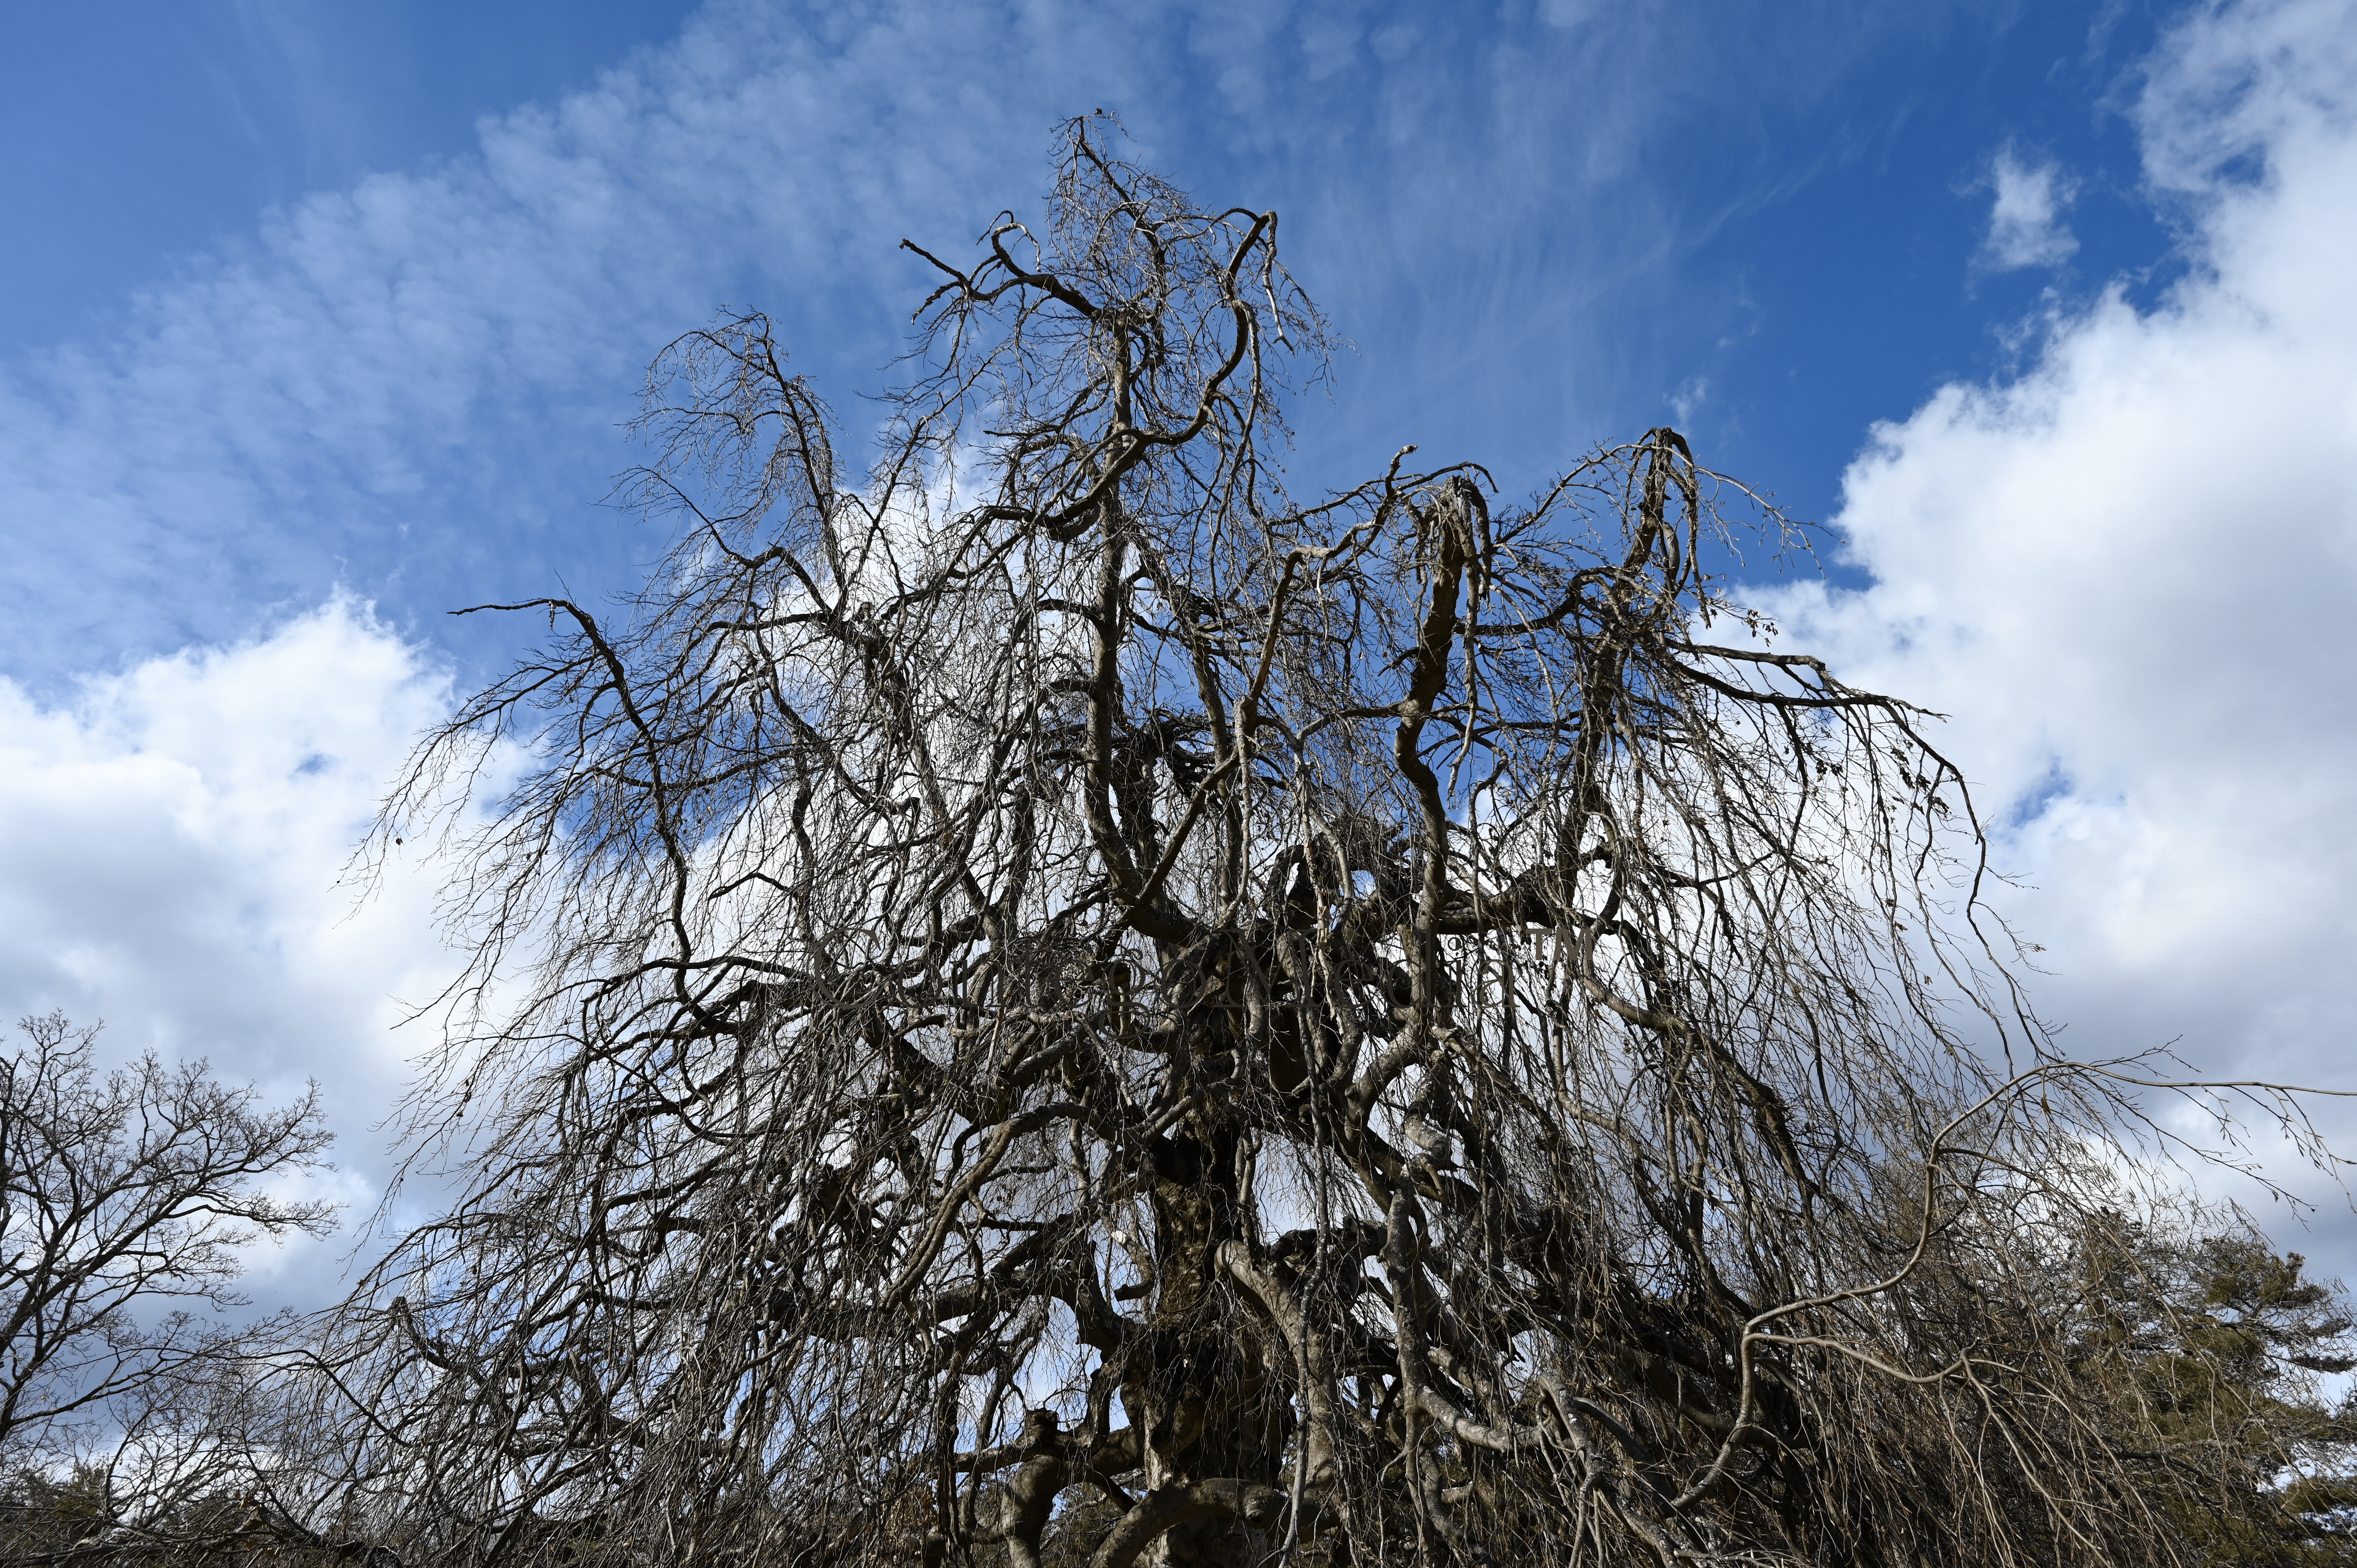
[[2223, 1359]]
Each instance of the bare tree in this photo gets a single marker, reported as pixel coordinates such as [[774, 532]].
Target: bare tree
[[193, 1468], [1056, 998], [124, 1200]]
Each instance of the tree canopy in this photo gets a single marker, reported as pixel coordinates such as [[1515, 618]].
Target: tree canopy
[[1045, 995]]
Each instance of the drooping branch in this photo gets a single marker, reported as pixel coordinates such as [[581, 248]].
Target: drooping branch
[[1371, 989]]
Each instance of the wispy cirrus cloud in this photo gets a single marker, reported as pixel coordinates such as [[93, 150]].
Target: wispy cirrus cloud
[[411, 384]]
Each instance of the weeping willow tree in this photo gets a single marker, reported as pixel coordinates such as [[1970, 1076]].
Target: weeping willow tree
[[1048, 996]]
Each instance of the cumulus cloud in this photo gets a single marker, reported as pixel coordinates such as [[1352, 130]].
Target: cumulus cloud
[[2127, 572], [2026, 227], [170, 842]]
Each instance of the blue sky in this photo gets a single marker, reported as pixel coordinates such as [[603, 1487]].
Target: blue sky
[[143, 132], [315, 322], [1542, 225]]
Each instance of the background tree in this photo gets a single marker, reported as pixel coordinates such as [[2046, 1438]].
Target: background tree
[[2214, 1350], [124, 1199], [175, 1476], [1057, 998]]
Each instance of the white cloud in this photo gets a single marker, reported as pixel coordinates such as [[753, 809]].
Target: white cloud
[[2128, 576], [2026, 227], [170, 842]]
